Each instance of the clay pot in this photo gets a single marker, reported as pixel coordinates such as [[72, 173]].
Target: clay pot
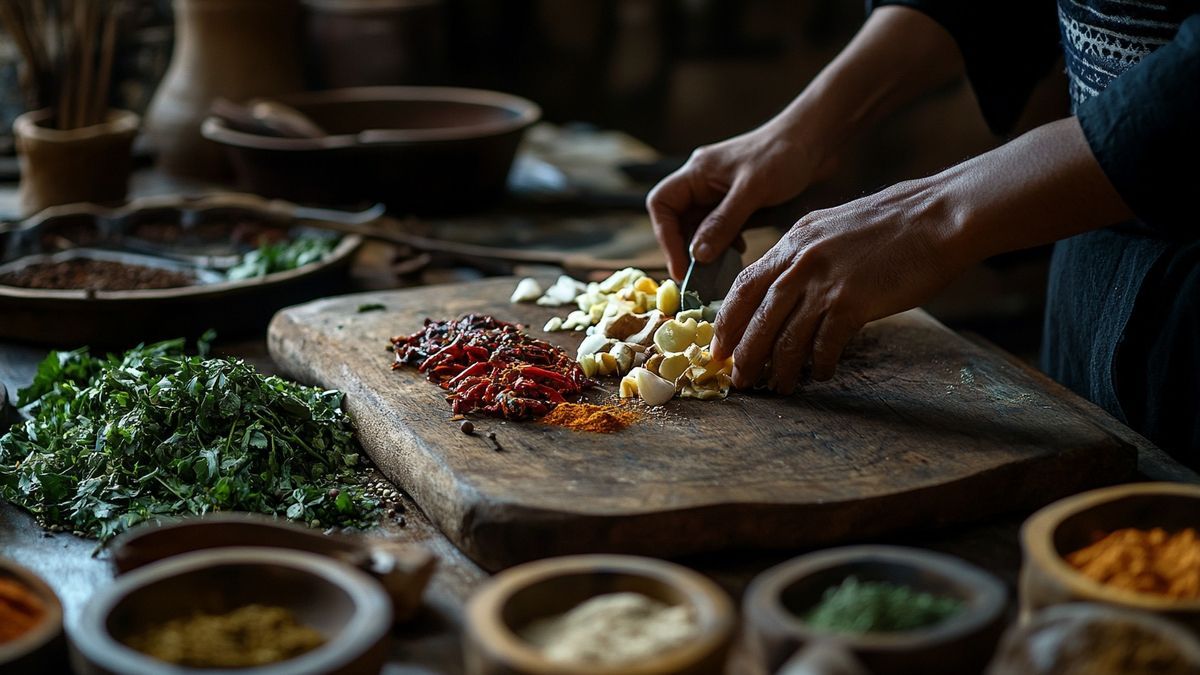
[[235, 49], [89, 164], [366, 43]]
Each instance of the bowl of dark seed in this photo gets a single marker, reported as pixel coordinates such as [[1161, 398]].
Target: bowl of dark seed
[[262, 611], [895, 610]]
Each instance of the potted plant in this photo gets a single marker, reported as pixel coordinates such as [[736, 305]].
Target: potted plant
[[72, 146]]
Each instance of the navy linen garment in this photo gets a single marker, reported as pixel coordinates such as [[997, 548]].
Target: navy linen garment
[[1123, 317]]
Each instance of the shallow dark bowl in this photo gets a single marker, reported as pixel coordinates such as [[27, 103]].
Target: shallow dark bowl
[[43, 649], [963, 643], [120, 319], [1073, 523], [347, 606], [419, 150]]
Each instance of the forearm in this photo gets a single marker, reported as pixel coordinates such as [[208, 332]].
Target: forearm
[[897, 56], [1041, 187]]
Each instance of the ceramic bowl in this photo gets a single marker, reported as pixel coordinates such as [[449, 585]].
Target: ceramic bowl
[[42, 649], [1071, 634], [1071, 524], [513, 599], [424, 150], [778, 598], [343, 603]]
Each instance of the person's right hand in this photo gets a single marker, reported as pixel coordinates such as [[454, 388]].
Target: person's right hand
[[707, 202]]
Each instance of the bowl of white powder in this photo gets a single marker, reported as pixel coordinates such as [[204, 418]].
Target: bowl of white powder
[[599, 614]]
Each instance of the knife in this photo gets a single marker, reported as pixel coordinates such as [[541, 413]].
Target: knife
[[706, 282]]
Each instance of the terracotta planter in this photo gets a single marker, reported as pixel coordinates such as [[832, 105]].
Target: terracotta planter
[[90, 164], [236, 49]]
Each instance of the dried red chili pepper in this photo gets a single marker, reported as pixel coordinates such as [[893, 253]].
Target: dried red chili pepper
[[490, 366]]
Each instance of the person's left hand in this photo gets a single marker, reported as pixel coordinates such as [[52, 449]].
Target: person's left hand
[[834, 271]]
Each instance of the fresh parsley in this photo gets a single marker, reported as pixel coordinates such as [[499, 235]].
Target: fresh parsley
[[154, 432], [285, 255]]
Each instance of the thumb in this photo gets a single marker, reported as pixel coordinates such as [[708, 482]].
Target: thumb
[[724, 224]]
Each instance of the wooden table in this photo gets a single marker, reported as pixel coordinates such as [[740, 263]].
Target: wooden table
[[431, 643]]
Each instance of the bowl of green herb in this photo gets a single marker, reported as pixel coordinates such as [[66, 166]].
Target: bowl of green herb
[[897, 610], [262, 611]]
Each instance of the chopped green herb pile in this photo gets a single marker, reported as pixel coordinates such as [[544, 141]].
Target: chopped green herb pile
[[154, 432], [285, 255], [878, 606]]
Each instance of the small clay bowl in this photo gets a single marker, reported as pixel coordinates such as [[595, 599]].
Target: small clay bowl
[[1058, 636], [343, 603], [778, 598], [1071, 524], [513, 599], [42, 649]]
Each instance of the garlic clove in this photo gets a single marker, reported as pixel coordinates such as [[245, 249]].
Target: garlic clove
[[527, 290], [624, 355], [672, 366], [652, 389], [675, 336], [667, 297], [704, 334], [592, 344]]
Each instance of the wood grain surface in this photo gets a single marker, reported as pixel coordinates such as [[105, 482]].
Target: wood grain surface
[[919, 428]]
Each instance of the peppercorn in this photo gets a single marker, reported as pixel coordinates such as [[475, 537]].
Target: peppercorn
[[467, 427]]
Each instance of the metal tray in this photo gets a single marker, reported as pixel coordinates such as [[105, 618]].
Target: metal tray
[[115, 319]]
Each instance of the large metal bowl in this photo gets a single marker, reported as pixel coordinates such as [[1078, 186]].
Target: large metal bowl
[[421, 150]]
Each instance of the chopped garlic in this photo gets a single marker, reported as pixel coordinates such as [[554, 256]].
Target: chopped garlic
[[554, 324], [667, 298], [672, 366], [675, 336]]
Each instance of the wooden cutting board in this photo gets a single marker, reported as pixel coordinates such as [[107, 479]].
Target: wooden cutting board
[[919, 428]]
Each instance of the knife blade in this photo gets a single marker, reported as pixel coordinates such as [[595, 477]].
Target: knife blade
[[706, 282]]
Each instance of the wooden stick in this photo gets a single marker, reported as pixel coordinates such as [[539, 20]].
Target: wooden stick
[[83, 34], [108, 48]]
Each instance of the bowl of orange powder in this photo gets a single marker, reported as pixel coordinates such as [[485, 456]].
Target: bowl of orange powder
[[31, 634], [1135, 546]]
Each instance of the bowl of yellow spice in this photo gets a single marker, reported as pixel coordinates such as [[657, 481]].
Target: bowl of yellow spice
[[261, 611], [884, 609], [1135, 546]]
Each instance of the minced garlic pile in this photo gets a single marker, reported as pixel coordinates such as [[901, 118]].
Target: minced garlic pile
[[636, 329]]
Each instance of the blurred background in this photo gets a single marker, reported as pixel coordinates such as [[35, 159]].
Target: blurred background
[[670, 74]]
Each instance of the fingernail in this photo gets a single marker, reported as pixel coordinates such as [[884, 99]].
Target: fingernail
[[703, 252]]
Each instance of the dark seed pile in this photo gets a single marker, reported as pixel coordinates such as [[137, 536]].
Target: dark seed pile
[[96, 275]]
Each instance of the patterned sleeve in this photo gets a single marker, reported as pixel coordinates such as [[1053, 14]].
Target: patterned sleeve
[[1007, 47], [1145, 131]]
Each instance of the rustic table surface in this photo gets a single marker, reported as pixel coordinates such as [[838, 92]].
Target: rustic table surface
[[431, 643]]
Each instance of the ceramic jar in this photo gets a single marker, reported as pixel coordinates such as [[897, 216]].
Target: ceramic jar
[[236, 49]]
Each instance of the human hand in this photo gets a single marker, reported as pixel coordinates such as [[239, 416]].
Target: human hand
[[834, 271], [722, 185]]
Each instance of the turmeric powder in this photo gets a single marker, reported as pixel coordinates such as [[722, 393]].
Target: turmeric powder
[[603, 419], [1144, 561], [20, 609]]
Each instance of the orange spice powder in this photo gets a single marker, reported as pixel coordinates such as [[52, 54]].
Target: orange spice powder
[[604, 419], [20, 609], [1145, 561]]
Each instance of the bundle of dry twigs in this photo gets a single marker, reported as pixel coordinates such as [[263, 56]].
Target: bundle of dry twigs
[[67, 49]]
